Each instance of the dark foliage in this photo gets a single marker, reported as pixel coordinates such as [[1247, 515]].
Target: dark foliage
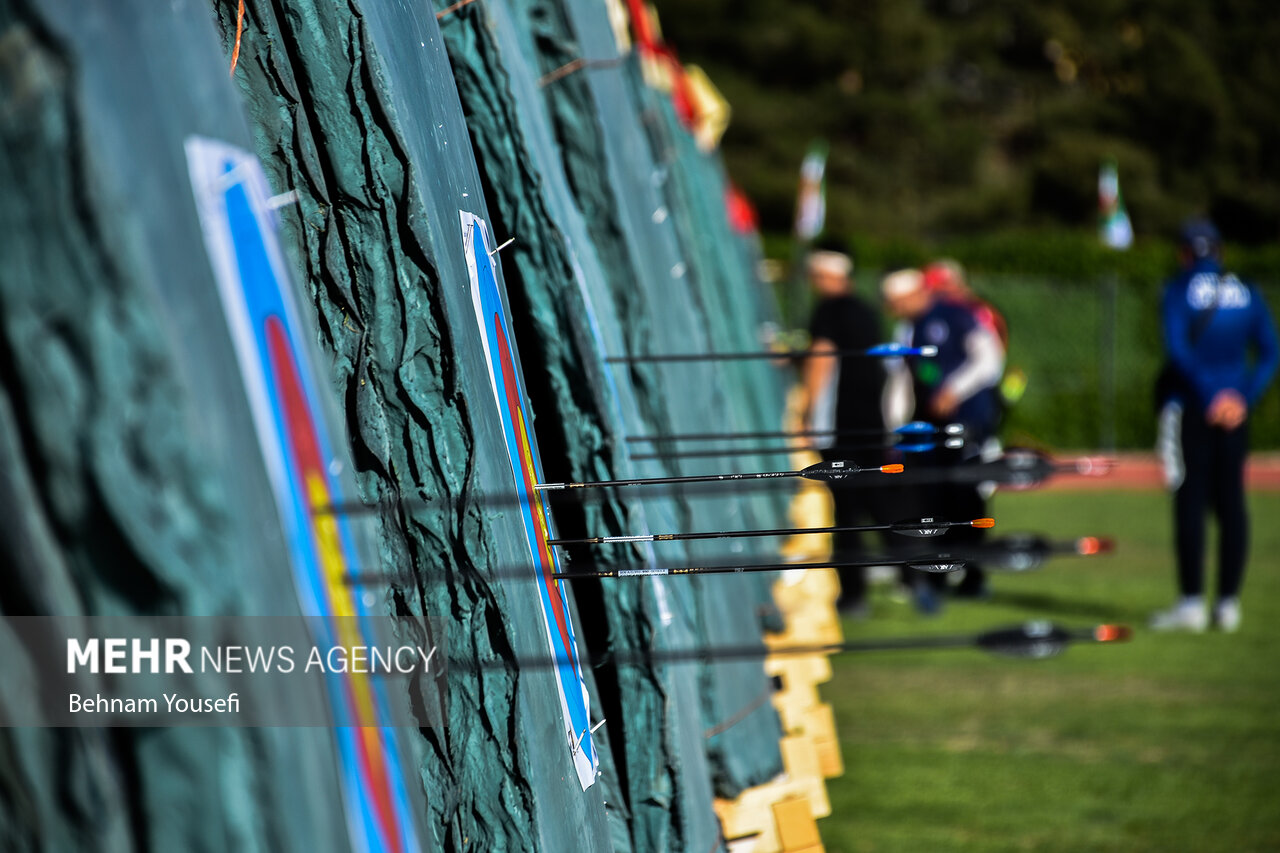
[[948, 117]]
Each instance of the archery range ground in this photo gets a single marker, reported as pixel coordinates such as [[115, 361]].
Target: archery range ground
[[1166, 743]]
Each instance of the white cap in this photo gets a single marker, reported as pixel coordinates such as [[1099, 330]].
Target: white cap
[[902, 283], [831, 263]]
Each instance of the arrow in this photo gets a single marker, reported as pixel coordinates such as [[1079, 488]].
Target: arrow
[[910, 447], [914, 428], [1017, 468], [877, 351], [1022, 468], [1026, 551], [825, 471], [1038, 640], [919, 528], [933, 563], [1032, 641]]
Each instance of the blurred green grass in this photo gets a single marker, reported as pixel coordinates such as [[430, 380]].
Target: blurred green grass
[[1167, 743]]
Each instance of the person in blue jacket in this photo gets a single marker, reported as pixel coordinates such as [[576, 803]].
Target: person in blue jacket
[[957, 385], [1211, 320]]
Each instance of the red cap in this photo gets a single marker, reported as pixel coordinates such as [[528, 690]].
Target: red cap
[[943, 276]]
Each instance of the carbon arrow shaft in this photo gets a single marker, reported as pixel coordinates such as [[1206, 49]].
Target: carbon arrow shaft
[[936, 563], [920, 428], [745, 436], [1031, 640], [719, 452], [1018, 468], [921, 525], [929, 563], [880, 351], [837, 470], [1020, 553]]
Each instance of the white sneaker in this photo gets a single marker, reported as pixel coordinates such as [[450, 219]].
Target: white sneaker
[[1186, 615], [1226, 615]]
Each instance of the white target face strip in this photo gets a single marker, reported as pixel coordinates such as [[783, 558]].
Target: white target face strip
[[513, 412]]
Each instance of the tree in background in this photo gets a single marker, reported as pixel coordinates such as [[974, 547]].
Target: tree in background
[[948, 117]]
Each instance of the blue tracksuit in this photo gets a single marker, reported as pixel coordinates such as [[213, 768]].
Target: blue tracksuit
[[1219, 358], [1213, 458]]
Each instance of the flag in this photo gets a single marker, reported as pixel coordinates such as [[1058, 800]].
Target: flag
[[811, 200], [1114, 226]]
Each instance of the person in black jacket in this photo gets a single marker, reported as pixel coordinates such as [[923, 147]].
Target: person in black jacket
[[843, 395]]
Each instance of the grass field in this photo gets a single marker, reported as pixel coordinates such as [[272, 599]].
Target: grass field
[[1167, 743]]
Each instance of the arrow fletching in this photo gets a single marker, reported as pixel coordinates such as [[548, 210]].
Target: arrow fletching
[[915, 447], [936, 564], [920, 528], [924, 528], [892, 350], [1091, 466], [1033, 641], [840, 470], [916, 428], [1041, 639], [1024, 468], [919, 429], [1112, 633], [1087, 546]]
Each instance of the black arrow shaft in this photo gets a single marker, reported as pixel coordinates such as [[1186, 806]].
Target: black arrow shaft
[[742, 534], [758, 652], [700, 488], [723, 534], [834, 470], [1021, 475], [668, 481], [709, 453], [530, 572], [697, 489], [731, 436], [916, 475], [729, 570], [740, 356], [994, 553], [710, 654]]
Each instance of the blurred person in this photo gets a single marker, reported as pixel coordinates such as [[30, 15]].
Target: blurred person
[[955, 386], [844, 394], [1211, 320], [946, 278]]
